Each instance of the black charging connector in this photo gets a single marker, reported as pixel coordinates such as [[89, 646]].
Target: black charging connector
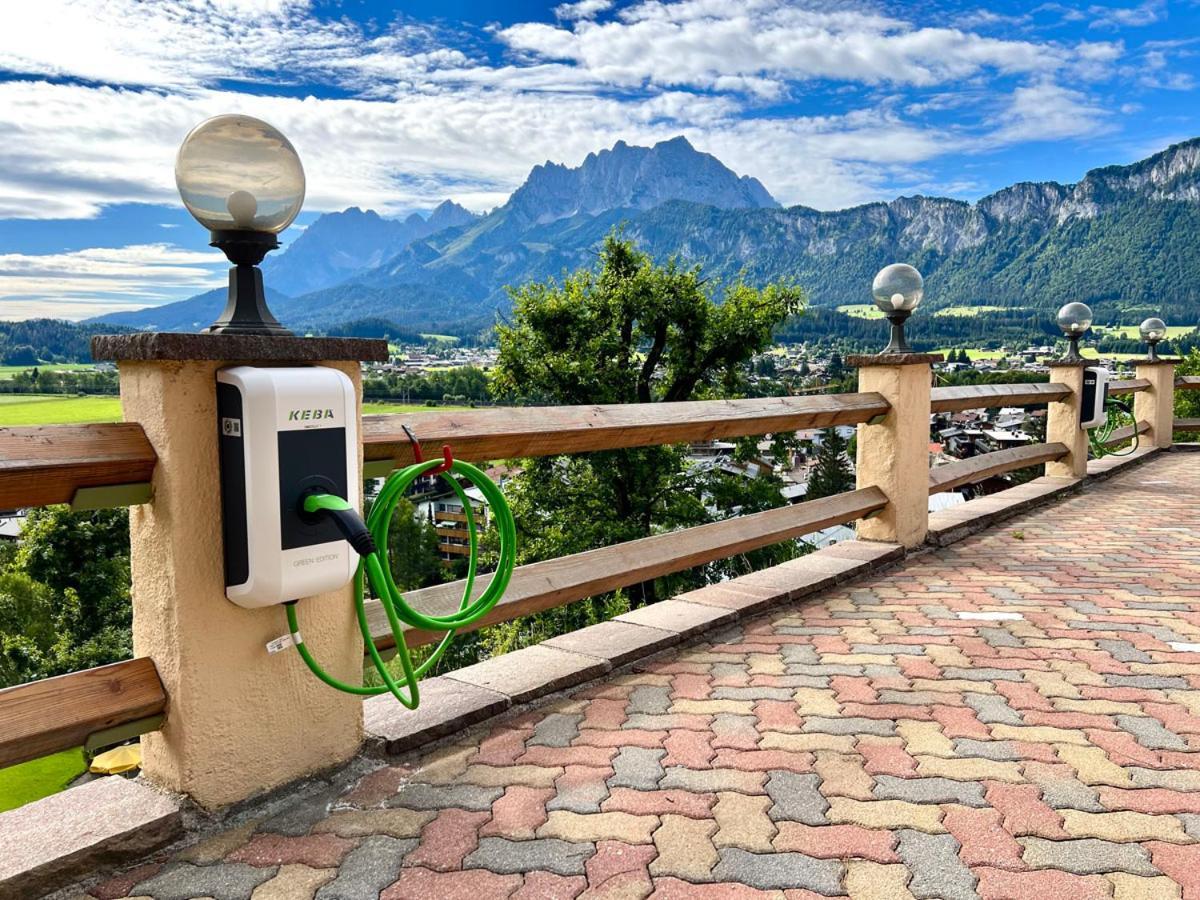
[[347, 521]]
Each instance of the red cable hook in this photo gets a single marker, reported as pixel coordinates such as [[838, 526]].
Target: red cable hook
[[419, 456]]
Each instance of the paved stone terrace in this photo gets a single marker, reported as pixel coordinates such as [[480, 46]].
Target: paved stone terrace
[[1014, 716]]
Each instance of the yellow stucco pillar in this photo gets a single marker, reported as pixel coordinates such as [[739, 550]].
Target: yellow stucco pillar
[[1062, 421], [1156, 405], [894, 452], [239, 720]]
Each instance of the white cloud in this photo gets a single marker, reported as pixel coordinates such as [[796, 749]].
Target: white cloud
[[582, 9], [1047, 112], [1143, 14], [98, 280]]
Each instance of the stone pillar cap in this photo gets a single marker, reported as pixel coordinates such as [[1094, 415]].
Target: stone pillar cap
[[893, 359], [166, 345], [1161, 361], [1070, 363]]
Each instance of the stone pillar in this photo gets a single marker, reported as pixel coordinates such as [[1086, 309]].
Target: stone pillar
[[1156, 405], [894, 453], [1062, 421], [239, 720]]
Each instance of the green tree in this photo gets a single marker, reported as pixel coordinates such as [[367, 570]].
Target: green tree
[[412, 548], [630, 332], [832, 473]]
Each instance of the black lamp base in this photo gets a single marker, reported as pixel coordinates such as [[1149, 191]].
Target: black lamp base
[[246, 311], [1073, 354], [898, 343]]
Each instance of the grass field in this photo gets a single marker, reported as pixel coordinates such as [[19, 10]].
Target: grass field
[[59, 409], [1131, 331], [861, 310], [39, 778], [968, 310], [976, 354], [10, 371]]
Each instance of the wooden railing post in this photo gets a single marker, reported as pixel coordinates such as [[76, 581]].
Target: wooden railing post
[[893, 452], [1062, 421], [1156, 405], [239, 721]]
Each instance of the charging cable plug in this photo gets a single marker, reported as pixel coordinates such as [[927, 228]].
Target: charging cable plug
[[346, 518]]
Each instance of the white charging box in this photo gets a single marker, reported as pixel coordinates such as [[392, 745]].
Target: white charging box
[[285, 433]]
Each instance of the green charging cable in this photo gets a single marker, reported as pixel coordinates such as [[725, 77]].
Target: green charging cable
[[374, 566], [1098, 437]]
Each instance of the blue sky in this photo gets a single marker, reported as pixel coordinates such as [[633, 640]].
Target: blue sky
[[395, 106]]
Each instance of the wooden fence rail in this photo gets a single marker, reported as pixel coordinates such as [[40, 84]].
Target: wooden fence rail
[[977, 468], [983, 396], [1129, 386], [1187, 383], [59, 713]]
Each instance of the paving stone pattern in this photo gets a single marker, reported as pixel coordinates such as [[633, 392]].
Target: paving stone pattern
[[868, 742]]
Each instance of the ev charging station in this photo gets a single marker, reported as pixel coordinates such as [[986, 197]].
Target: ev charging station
[[285, 433], [1093, 397]]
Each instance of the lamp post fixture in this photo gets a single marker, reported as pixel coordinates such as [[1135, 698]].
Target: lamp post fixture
[[242, 180], [897, 291], [1074, 319], [1152, 331]]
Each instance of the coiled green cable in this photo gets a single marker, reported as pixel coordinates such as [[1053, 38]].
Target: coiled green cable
[[376, 568]]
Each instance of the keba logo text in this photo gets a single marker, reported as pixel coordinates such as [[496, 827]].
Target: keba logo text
[[304, 415]]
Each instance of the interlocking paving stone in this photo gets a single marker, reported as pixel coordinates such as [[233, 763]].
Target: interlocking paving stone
[[849, 725], [227, 881], [937, 871], [1087, 856], [767, 871], [544, 854], [368, 869], [797, 798], [1150, 733], [555, 730], [992, 709], [637, 767], [443, 796], [929, 790]]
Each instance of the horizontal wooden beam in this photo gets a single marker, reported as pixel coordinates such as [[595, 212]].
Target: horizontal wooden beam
[[1129, 386], [502, 433], [59, 713], [984, 396], [1187, 425], [1125, 432], [556, 582], [977, 468], [49, 463], [1187, 383]]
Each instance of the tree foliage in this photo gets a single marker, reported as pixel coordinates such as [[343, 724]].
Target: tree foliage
[[629, 332], [832, 473]]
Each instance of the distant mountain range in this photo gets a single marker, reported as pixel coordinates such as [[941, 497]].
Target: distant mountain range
[[1125, 239]]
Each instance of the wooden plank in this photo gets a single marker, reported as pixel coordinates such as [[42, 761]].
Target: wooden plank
[[984, 396], [1187, 383], [977, 468], [556, 582], [1125, 432], [59, 713], [49, 463], [1129, 386], [502, 433], [1187, 425]]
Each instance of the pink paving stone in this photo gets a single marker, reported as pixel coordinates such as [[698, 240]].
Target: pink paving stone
[[320, 851], [580, 776], [734, 732], [998, 884], [691, 749], [473, 884], [1069, 720], [447, 839], [777, 715], [960, 722], [548, 886], [567, 756], [886, 759], [673, 667], [502, 746], [1174, 717], [837, 842], [1099, 661], [1179, 863], [852, 689], [518, 813], [660, 803], [1023, 696], [888, 711], [378, 786], [1151, 800], [829, 643], [122, 884], [1174, 759], [983, 838], [691, 687], [612, 861], [764, 760], [1023, 810], [1117, 694], [1034, 751], [1122, 749], [604, 714], [622, 737]]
